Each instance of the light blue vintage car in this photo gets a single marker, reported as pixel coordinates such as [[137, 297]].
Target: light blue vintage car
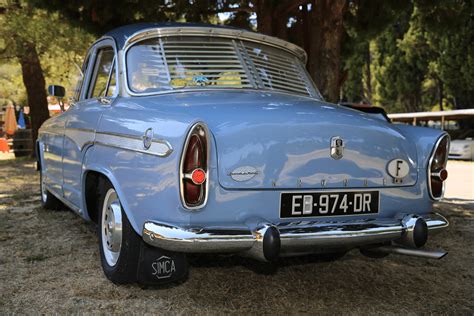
[[197, 138]]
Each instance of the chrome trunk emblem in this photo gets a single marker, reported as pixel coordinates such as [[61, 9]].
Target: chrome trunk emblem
[[337, 147], [147, 138], [244, 173]]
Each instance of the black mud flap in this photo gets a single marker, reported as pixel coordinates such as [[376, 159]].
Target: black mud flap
[[157, 266]]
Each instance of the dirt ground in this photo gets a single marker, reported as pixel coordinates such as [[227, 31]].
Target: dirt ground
[[460, 183], [49, 263]]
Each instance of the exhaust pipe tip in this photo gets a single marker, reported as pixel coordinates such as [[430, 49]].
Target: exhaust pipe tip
[[416, 231], [421, 253]]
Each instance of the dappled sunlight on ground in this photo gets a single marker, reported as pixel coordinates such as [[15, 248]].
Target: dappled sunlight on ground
[[460, 183], [49, 263]]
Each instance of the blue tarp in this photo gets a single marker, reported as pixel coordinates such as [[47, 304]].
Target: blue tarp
[[21, 120]]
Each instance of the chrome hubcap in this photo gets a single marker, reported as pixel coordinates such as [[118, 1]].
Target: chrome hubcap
[[111, 227]]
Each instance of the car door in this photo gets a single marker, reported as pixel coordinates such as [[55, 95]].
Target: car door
[[51, 146], [97, 94]]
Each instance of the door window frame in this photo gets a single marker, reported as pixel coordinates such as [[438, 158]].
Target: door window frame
[[80, 85], [93, 54]]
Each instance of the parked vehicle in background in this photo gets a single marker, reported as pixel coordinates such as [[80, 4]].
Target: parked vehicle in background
[[203, 139], [463, 147]]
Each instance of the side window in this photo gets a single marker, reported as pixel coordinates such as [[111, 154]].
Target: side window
[[80, 81], [103, 73]]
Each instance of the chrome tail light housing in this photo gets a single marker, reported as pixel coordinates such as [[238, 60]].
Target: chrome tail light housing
[[194, 167], [437, 173]]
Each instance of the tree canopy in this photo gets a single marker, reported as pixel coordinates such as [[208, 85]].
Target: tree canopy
[[404, 55]]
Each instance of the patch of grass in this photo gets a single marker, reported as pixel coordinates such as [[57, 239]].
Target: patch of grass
[[4, 238], [16, 160], [20, 196], [36, 258]]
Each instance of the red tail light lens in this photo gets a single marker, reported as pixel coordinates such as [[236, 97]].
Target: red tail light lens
[[198, 176], [437, 172], [194, 167]]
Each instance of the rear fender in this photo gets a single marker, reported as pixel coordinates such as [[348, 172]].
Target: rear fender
[[90, 165], [424, 139]]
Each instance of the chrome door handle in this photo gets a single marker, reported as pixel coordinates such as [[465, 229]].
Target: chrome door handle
[[104, 100]]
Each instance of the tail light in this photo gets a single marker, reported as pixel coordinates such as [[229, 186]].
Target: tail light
[[437, 172], [194, 167]]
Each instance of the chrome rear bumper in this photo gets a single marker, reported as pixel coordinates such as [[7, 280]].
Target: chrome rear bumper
[[287, 238]]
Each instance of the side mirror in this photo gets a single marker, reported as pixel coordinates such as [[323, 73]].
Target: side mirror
[[56, 91]]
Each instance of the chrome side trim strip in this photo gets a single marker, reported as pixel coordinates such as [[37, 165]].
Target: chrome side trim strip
[[159, 147], [49, 133], [81, 129]]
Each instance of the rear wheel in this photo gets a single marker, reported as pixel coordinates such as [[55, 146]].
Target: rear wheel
[[119, 245], [48, 200]]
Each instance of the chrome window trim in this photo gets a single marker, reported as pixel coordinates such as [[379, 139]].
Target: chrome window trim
[[95, 71], [181, 162], [440, 139], [216, 32], [102, 42], [263, 90], [80, 87], [310, 83], [112, 70]]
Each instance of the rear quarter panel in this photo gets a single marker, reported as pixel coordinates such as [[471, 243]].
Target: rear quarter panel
[[146, 183], [424, 139]]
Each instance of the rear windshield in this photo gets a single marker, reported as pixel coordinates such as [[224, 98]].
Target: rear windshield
[[184, 62]]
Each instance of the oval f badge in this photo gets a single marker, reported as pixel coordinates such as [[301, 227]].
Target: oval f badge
[[337, 147], [398, 168]]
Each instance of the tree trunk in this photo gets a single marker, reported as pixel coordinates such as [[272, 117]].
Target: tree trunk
[[306, 29], [440, 94], [264, 10], [34, 82], [368, 73], [270, 20], [325, 47], [280, 28]]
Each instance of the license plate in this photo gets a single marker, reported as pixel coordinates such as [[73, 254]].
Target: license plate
[[309, 204]]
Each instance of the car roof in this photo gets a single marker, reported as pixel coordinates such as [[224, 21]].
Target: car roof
[[122, 33], [130, 32]]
